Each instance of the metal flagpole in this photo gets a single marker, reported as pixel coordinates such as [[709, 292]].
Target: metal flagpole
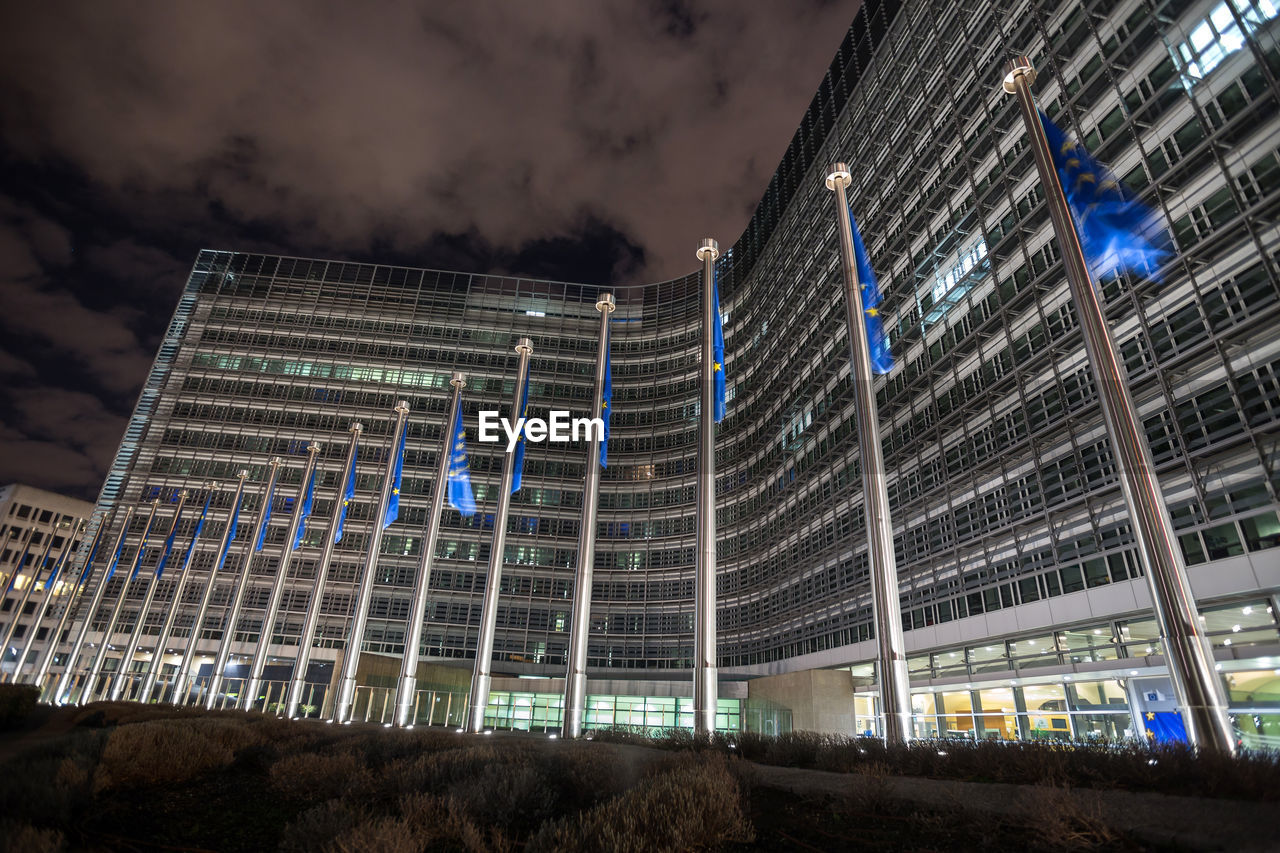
[[351, 656], [180, 687], [895, 692], [14, 534], [47, 599], [249, 696], [101, 658], [171, 615], [68, 669], [45, 660], [575, 683], [299, 682], [1196, 686], [705, 674], [27, 590], [239, 584], [422, 578], [135, 636], [481, 676]]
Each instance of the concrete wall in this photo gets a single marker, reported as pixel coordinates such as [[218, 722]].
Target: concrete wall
[[821, 700]]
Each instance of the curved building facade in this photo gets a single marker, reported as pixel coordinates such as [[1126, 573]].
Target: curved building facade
[[1016, 559]]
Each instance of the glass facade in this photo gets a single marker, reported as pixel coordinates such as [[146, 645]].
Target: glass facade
[[1001, 481]]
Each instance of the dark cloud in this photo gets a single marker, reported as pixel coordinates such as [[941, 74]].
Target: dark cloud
[[592, 142]]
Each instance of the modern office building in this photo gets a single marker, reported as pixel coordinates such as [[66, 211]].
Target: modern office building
[[1021, 589], [37, 529]]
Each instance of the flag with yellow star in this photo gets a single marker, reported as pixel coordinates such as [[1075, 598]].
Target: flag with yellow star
[[397, 479], [881, 358], [718, 345], [348, 494], [606, 403], [233, 524], [518, 473], [461, 497], [1117, 232], [308, 503], [262, 534]]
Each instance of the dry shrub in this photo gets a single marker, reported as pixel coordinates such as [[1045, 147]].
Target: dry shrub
[[320, 775], [163, 751], [18, 837], [17, 702], [50, 783], [509, 795], [872, 791], [584, 775], [442, 822], [1065, 822], [694, 803], [316, 827]]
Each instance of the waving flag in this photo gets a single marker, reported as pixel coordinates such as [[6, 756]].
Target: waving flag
[[520, 442], [1117, 232], [266, 518], [397, 479], [191, 546], [461, 497], [718, 369], [881, 358], [348, 493], [606, 404], [307, 503], [168, 547], [235, 521]]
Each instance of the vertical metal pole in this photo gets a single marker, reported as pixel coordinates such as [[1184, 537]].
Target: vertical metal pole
[[1196, 686], [101, 658], [47, 599], [117, 687], [45, 657], [27, 590], [250, 694], [299, 681], [68, 670], [180, 690], [351, 656], [422, 578], [895, 693], [239, 585], [170, 619], [705, 673], [575, 682], [481, 676]]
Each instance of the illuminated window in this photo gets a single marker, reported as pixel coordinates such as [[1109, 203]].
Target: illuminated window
[[1219, 35]]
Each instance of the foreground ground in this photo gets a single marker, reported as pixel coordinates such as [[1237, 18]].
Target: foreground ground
[[128, 777]]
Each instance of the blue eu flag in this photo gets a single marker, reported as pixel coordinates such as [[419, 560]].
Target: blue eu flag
[[235, 522], [518, 474], [461, 497], [718, 345], [1166, 727], [142, 549], [348, 493], [881, 358], [307, 503], [168, 547], [1117, 232], [195, 534], [606, 404], [266, 519], [397, 478]]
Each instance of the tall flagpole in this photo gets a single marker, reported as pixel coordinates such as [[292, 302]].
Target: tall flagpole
[[171, 615], [299, 682], [481, 676], [45, 661], [46, 600], [101, 658], [135, 636], [249, 696], [36, 568], [705, 673], [895, 691], [69, 668], [575, 683], [351, 656], [1188, 654], [180, 687], [408, 684], [239, 584]]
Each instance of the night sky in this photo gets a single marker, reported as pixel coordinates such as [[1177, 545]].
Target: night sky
[[592, 142]]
